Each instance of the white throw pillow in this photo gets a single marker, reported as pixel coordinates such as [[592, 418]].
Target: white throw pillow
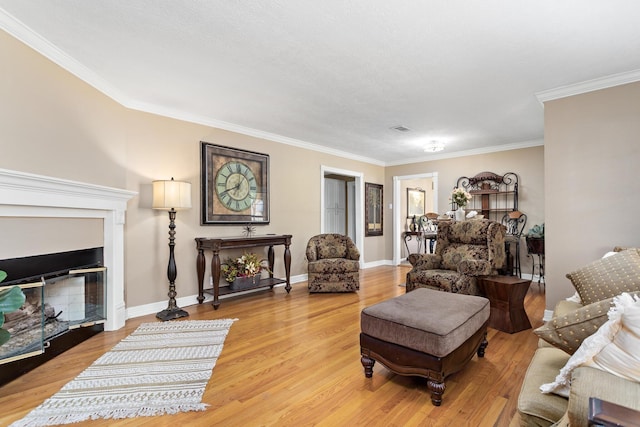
[[614, 348]]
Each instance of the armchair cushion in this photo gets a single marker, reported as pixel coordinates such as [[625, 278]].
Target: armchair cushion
[[475, 267], [425, 261], [464, 251]]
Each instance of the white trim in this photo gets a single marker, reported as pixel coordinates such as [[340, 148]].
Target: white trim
[[548, 315], [41, 45], [588, 86], [359, 203], [23, 33], [397, 221], [474, 152], [28, 195], [154, 307]]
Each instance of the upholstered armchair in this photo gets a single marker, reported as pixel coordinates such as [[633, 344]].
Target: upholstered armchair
[[333, 264], [464, 251]]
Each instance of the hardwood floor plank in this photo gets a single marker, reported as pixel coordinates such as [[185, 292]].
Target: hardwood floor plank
[[294, 360]]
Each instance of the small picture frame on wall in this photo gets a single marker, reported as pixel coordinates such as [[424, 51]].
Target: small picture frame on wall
[[234, 185], [415, 202], [373, 209]]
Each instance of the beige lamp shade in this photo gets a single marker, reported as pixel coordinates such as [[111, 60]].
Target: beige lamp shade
[[171, 195]]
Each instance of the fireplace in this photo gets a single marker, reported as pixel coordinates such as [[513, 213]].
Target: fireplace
[[36, 196], [64, 305], [24, 195]]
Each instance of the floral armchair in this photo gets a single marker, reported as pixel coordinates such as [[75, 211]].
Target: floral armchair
[[464, 251], [333, 264]]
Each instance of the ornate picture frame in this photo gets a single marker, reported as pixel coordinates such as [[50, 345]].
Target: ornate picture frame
[[415, 202], [373, 211], [234, 185]]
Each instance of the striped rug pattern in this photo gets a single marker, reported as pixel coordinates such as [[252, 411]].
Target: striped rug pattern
[[161, 368]]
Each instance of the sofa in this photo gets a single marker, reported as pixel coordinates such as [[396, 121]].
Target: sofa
[[576, 327], [465, 250]]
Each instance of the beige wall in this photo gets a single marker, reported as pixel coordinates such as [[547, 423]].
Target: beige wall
[[591, 156], [528, 163], [54, 124]]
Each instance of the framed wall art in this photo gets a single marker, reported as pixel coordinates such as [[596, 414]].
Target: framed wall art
[[234, 185], [373, 209], [415, 202]]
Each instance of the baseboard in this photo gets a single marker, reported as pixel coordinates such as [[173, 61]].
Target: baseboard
[[155, 307]]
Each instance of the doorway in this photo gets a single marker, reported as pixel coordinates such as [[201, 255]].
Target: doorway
[[427, 181], [341, 204]]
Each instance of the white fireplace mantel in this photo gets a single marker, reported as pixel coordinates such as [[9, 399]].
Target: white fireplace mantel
[[28, 195]]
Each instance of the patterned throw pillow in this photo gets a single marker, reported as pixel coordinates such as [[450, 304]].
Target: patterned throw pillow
[[614, 348], [567, 332], [608, 277]]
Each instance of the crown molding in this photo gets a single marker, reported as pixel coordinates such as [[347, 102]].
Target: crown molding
[[27, 36], [17, 29], [219, 124], [474, 152], [588, 86], [20, 31]]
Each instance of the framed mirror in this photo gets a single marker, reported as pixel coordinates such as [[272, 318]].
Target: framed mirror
[[373, 209], [415, 202]]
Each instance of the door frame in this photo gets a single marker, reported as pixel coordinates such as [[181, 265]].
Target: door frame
[[398, 222], [359, 191]]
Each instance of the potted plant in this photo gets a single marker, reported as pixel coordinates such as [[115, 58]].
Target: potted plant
[[460, 197], [243, 272], [11, 299], [535, 239]]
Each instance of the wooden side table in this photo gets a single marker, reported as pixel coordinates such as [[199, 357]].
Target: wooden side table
[[506, 297]]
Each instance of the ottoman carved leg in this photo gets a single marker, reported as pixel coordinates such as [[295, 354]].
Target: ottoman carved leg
[[367, 363], [483, 346], [437, 389]]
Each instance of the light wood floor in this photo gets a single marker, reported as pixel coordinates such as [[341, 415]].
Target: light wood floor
[[293, 360]]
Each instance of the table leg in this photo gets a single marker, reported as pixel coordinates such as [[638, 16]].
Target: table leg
[[215, 274], [200, 265], [271, 258], [287, 267], [406, 245]]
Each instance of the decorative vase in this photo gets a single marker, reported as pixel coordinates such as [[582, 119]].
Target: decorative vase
[[460, 214], [247, 282]]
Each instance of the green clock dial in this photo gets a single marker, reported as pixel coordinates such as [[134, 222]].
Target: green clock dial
[[236, 186]]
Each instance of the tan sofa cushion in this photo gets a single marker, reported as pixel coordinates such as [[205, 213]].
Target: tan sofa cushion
[[608, 277], [535, 408], [589, 382]]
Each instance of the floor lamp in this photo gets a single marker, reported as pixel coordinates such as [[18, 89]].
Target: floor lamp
[[172, 196]]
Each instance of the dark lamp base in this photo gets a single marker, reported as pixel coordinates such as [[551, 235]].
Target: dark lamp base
[[171, 314]]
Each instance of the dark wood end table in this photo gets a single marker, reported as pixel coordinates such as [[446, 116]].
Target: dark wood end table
[[506, 297]]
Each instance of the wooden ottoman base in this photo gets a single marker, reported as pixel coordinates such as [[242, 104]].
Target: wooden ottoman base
[[405, 361]]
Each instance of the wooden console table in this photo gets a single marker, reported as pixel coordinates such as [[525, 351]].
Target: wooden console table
[[506, 297], [217, 244]]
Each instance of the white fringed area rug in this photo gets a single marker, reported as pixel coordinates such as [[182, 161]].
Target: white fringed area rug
[[161, 368]]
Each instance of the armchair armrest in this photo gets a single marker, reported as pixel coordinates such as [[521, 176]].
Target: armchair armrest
[[425, 261], [352, 251], [474, 267]]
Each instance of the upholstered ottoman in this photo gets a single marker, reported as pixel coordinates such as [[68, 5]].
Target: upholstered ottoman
[[427, 333]]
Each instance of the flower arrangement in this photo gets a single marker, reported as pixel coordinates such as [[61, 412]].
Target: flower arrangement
[[460, 197], [248, 265]]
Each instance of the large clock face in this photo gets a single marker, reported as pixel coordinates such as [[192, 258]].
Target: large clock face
[[236, 186]]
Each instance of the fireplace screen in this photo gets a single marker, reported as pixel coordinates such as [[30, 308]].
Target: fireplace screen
[[54, 306]]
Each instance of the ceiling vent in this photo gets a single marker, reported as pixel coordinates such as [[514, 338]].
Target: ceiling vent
[[401, 128]]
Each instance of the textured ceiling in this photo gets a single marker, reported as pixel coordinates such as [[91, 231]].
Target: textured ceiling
[[337, 74]]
